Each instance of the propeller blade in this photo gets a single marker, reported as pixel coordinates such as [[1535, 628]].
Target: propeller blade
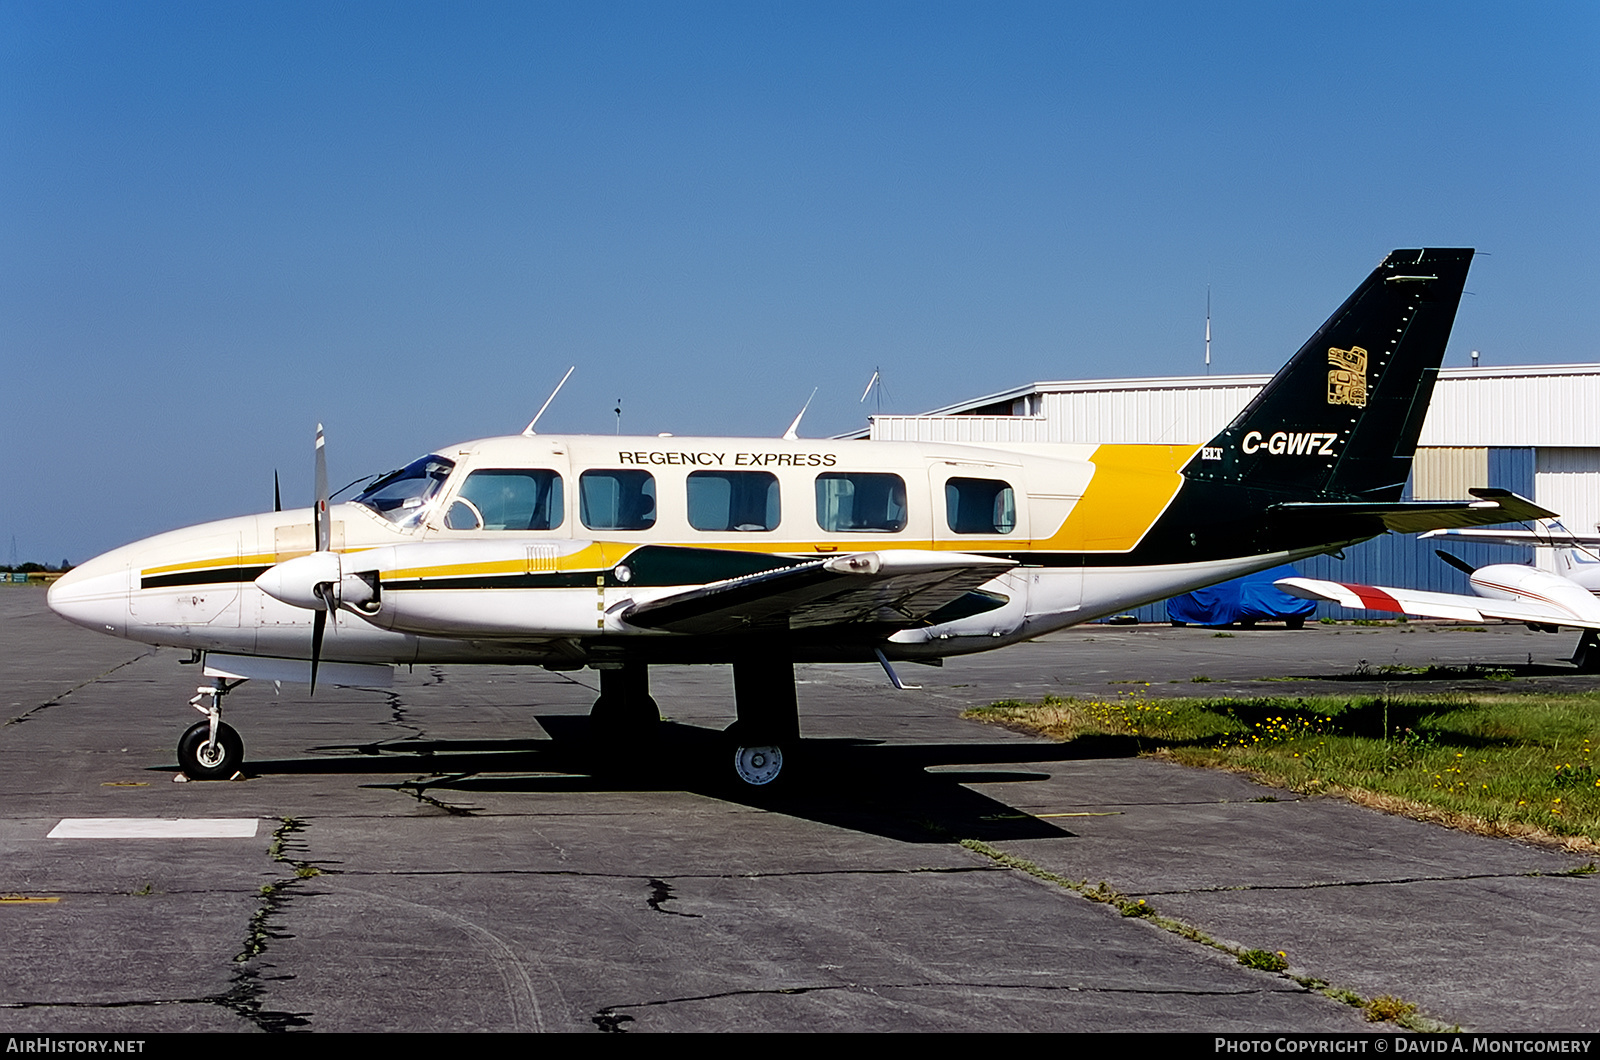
[[277, 494], [319, 623], [324, 531], [1459, 564]]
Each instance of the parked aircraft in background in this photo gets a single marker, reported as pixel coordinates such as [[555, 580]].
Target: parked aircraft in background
[[1513, 592], [619, 553]]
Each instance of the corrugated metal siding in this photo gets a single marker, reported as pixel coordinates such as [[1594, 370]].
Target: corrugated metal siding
[[1515, 407], [1542, 405], [1568, 481], [1446, 474]]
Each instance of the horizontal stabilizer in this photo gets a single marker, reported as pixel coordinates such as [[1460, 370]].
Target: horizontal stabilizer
[[1413, 517], [898, 589]]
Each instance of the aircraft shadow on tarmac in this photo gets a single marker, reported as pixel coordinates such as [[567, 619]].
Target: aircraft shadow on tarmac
[[863, 785]]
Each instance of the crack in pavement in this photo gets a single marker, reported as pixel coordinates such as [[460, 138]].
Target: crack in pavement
[[1395, 882], [246, 995], [799, 873], [609, 1018], [56, 700]]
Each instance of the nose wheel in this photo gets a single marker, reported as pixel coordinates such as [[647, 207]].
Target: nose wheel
[[204, 757], [211, 749]]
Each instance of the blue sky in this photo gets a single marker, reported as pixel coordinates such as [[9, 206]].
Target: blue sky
[[223, 223]]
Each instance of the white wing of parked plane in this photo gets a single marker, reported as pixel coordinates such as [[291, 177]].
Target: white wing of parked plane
[[1539, 605], [1549, 537]]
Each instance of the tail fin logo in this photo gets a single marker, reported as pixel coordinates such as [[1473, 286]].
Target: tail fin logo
[[1347, 380]]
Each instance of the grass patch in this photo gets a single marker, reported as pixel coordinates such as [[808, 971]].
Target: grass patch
[[1495, 763], [1264, 960]]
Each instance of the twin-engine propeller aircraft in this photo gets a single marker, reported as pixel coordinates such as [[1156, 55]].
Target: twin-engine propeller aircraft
[[1510, 592], [620, 553]]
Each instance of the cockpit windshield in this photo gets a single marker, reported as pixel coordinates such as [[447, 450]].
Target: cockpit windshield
[[402, 496]]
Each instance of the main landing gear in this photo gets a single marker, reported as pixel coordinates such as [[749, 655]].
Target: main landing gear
[[622, 721], [1587, 655], [769, 718], [211, 749]]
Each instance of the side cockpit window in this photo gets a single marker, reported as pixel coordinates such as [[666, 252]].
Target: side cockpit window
[[508, 499], [980, 506], [617, 500], [402, 496], [733, 500], [861, 503]]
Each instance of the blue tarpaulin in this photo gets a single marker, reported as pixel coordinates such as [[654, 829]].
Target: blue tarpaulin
[[1243, 599]]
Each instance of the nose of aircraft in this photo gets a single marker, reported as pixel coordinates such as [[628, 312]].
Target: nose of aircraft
[[95, 594]]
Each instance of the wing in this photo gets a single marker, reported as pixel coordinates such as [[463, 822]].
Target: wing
[[1432, 605], [897, 589], [1411, 517], [1551, 537]]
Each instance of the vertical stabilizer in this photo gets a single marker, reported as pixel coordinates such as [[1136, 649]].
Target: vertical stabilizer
[[1341, 420]]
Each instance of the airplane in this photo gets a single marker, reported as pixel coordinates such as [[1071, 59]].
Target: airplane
[[1514, 592], [620, 553]]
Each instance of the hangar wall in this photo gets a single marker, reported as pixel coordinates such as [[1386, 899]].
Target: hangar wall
[[1528, 428]]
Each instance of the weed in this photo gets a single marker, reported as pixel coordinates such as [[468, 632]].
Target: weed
[[1222, 634], [1199, 679], [144, 892], [1265, 960], [1388, 1008], [1326, 621]]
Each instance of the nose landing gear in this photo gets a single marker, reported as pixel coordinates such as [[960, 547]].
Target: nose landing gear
[[211, 749]]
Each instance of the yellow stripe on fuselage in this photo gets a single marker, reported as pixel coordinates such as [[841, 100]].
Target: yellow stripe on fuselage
[[1131, 487], [216, 561]]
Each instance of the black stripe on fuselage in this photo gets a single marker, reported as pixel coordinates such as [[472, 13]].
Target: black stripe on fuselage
[[212, 576]]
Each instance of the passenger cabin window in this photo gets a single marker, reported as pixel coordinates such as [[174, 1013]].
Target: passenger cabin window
[[401, 496], [980, 506], [507, 499], [733, 500], [617, 500], [861, 502]]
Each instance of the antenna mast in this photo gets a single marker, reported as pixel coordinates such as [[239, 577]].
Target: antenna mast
[[528, 430], [1208, 329]]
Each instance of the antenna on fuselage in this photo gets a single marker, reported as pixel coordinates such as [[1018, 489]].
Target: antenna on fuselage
[[875, 381], [528, 430], [790, 435]]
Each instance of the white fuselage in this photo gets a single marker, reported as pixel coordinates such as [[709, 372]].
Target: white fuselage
[[450, 565]]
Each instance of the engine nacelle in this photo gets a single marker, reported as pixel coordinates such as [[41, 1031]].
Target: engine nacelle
[[1514, 581]]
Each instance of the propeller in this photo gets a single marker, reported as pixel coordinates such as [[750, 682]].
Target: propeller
[[318, 582], [322, 590], [1455, 561]]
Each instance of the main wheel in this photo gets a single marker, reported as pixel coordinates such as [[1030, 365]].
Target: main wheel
[[204, 760], [758, 765]]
